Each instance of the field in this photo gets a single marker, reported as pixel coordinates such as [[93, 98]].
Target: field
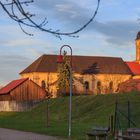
[[87, 112]]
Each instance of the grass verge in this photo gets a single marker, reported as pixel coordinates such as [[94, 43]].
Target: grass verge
[[87, 112]]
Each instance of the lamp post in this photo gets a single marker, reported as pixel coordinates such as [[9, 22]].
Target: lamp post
[[60, 60]]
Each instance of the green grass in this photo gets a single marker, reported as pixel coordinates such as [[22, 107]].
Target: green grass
[[87, 112]]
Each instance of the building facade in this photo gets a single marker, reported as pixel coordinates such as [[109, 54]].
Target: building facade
[[111, 72]]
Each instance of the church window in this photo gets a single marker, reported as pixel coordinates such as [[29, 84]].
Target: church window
[[86, 85], [111, 87], [43, 84], [98, 87]]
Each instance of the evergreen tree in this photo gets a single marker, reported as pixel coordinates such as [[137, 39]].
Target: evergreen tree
[[63, 82]]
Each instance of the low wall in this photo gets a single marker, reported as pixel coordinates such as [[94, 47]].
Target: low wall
[[18, 105]]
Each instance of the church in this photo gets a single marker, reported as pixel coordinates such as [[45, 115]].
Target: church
[[110, 72]]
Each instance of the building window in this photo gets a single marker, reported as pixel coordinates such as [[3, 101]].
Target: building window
[[99, 87], [111, 87], [86, 84], [43, 84]]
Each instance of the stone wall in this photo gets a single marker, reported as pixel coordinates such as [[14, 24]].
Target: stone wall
[[17, 105]]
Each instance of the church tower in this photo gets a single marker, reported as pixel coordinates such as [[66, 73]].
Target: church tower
[[138, 47]]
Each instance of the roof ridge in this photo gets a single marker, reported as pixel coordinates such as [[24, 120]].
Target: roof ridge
[[83, 56], [37, 62], [40, 59]]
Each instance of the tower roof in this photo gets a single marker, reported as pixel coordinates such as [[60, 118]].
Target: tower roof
[[138, 35]]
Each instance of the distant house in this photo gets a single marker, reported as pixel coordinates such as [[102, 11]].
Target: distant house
[[21, 90]]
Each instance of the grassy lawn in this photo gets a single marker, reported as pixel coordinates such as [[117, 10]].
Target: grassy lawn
[[87, 112]]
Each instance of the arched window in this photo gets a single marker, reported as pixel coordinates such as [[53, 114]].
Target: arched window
[[99, 87], [86, 84], [43, 84], [111, 87]]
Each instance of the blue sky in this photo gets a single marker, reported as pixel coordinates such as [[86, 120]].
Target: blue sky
[[112, 33]]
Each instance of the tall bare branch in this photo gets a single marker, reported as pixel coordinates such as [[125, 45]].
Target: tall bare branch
[[16, 11]]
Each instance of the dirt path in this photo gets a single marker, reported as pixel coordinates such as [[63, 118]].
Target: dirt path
[[8, 134]]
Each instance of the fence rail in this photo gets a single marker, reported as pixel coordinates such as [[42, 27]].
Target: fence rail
[[126, 115]]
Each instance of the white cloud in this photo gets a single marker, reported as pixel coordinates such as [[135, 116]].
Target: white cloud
[[25, 43], [67, 9], [63, 7], [10, 66]]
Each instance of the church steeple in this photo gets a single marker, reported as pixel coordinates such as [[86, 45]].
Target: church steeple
[[138, 47]]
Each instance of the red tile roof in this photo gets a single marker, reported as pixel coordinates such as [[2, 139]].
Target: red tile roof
[[12, 85], [134, 67], [106, 65]]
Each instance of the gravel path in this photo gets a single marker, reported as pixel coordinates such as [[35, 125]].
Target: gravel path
[[8, 134]]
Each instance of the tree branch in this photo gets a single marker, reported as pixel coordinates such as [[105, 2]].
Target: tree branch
[[16, 11]]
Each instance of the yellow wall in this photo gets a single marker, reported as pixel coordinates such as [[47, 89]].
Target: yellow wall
[[49, 78], [105, 79], [136, 77]]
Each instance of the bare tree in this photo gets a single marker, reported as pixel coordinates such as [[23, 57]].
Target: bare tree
[[112, 81], [15, 9]]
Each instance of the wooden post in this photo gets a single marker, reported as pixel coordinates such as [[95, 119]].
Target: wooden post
[[115, 116], [111, 123], [129, 115], [47, 109]]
